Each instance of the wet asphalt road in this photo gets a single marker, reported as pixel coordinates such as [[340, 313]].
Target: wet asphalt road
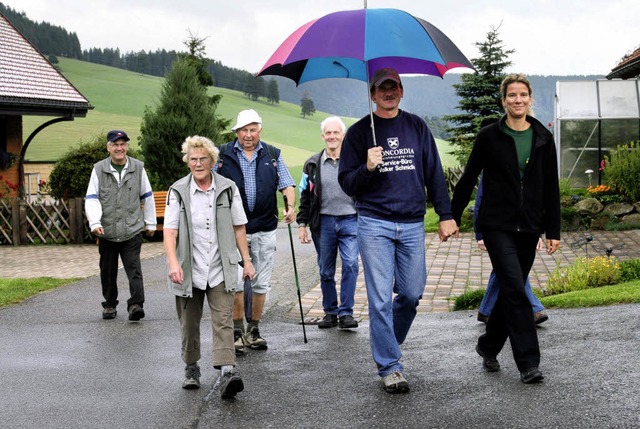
[[62, 366]]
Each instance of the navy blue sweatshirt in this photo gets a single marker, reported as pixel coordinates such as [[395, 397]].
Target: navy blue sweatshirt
[[396, 190]]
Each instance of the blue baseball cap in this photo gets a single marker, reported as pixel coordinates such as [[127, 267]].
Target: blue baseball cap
[[114, 135]]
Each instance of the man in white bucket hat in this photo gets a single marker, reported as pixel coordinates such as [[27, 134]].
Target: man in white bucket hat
[[259, 172]]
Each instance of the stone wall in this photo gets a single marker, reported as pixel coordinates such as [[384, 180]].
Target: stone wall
[[590, 213]]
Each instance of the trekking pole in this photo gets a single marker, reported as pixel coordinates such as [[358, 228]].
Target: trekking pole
[[295, 271]]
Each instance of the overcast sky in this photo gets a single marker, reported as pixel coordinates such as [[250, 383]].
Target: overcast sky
[[551, 37]]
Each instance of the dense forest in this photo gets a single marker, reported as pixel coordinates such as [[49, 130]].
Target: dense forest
[[426, 96]]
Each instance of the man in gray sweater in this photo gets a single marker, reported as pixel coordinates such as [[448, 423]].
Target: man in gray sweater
[[331, 216]]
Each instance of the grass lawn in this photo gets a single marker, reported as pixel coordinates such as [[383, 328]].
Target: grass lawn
[[622, 293], [14, 291]]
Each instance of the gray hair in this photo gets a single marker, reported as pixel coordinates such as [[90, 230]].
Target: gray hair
[[333, 119], [199, 142]]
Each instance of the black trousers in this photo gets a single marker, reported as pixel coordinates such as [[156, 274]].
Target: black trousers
[[129, 252], [512, 255]]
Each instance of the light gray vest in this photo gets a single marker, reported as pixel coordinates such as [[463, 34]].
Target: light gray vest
[[122, 215], [227, 246]]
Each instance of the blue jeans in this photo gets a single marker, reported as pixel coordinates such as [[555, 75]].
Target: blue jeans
[[337, 233], [393, 258], [491, 296]]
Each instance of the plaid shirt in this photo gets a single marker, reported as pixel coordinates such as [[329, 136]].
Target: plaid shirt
[[248, 167]]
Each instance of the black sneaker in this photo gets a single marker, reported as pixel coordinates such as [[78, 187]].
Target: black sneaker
[[230, 384], [136, 312], [489, 363], [109, 313], [347, 322], [482, 318], [191, 377], [328, 321], [531, 375]]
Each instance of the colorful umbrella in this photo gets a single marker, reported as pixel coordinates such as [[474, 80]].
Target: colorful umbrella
[[355, 43]]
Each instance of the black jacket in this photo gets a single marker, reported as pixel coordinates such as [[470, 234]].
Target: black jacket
[[529, 204], [310, 192]]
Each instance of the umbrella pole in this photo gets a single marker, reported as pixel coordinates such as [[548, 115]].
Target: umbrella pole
[[366, 69], [295, 272]]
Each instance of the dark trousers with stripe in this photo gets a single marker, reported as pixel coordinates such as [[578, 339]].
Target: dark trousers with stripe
[[129, 252]]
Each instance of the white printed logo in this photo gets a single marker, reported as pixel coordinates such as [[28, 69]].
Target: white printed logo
[[393, 142]]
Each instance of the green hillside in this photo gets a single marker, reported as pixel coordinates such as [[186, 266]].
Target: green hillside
[[119, 98]]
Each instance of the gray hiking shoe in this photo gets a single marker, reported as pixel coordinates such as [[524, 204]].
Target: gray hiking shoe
[[238, 342], [395, 383], [230, 384], [254, 340], [191, 377]]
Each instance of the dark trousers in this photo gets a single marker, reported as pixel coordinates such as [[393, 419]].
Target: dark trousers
[[512, 255], [129, 252]]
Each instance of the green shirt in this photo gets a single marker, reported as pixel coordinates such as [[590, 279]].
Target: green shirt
[[523, 140]]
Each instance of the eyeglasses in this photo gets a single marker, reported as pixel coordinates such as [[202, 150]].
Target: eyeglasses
[[203, 160]]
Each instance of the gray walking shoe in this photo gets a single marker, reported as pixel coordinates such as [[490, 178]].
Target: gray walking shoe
[[230, 384], [191, 377], [254, 340], [238, 342], [395, 383]]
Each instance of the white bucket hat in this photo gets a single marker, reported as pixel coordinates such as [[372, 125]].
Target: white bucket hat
[[247, 117]]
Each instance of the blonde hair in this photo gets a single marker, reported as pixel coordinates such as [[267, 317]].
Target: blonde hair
[[199, 142]]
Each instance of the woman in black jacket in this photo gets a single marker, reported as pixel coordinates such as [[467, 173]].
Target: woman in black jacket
[[521, 200]]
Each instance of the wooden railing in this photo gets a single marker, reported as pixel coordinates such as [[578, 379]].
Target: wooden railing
[[52, 222], [37, 222]]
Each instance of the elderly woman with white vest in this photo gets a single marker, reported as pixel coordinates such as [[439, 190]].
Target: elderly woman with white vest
[[205, 240]]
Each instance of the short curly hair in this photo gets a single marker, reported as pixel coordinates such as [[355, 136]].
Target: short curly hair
[[199, 142]]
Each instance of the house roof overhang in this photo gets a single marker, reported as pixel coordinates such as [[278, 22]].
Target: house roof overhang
[[628, 68], [30, 84]]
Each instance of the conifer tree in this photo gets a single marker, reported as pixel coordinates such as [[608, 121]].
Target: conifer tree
[[479, 94], [273, 94], [184, 110], [307, 108]]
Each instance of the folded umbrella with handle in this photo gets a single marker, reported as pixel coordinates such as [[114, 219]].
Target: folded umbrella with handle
[[248, 299]]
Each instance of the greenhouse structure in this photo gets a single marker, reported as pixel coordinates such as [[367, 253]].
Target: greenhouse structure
[[593, 118]]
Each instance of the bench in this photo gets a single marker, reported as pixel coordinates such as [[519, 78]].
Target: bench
[[160, 198]]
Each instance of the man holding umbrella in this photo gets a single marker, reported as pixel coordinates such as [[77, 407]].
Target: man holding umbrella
[[388, 182]]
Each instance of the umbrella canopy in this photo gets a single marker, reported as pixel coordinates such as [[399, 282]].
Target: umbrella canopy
[[355, 43]]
